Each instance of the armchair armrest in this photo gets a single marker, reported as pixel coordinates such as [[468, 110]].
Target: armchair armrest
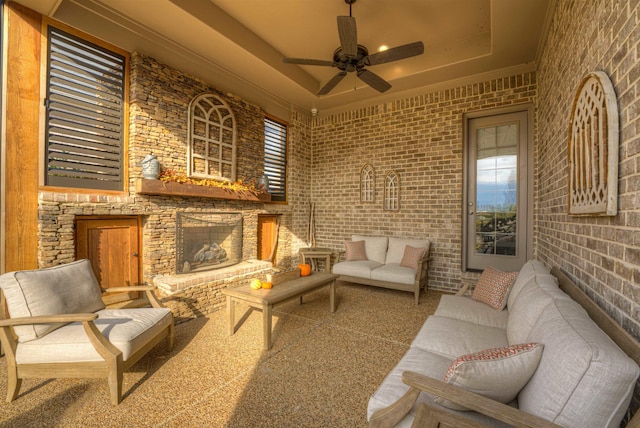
[[463, 290], [43, 319], [479, 403], [148, 289]]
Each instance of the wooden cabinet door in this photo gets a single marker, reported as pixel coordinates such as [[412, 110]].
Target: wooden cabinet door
[[267, 236], [113, 247]]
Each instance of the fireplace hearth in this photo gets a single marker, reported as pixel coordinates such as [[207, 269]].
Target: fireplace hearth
[[206, 241]]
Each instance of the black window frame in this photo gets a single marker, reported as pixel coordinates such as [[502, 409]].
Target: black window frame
[[85, 113]]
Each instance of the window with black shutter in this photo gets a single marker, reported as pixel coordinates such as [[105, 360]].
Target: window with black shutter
[[275, 158], [85, 114]]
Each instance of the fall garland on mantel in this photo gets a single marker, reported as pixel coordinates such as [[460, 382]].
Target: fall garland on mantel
[[173, 176]]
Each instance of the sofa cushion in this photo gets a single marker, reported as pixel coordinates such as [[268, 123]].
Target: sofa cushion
[[64, 289], [498, 373], [360, 268], [393, 272], [465, 309], [375, 247], [451, 337], [529, 270], [396, 250], [411, 256], [493, 287], [535, 296], [392, 388], [127, 329], [354, 251], [568, 387]]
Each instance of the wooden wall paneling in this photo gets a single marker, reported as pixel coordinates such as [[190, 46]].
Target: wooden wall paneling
[[22, 142]]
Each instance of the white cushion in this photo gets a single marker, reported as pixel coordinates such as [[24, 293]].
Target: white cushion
[[568, 386], [392, 388], [498, 373], [396, 248], [64, 289], [393, 272], [375, 246], [466, 309], [451, 338], [127, 329], [529, 270], [359, 268]]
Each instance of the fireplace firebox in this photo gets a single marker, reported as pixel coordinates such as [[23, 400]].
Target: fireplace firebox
[[207, 241]]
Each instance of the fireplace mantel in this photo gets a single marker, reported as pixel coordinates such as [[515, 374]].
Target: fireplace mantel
[[168, 188]]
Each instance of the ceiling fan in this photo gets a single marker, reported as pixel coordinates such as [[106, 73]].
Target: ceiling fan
[[351, 56]]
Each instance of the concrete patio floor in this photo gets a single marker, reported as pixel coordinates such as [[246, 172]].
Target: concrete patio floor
[[320, 372]]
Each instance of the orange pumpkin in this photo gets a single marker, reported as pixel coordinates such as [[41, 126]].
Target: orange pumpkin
[[305, 270], [267, 285]]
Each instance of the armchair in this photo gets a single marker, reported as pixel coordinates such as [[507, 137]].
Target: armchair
[[58, 327]]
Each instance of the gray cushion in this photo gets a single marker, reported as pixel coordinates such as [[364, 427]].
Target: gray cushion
[[466, 309], [529, 270], [396, 248], [359, 268], [393, 272], [583, 378], [375, 247], [127, 329], [65, 289]]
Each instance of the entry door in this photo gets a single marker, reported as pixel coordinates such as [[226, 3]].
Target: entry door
[[267, 236], [113, 247], [497, 230]]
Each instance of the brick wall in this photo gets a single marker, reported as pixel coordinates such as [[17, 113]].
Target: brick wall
[[421, 139], [600, 253]]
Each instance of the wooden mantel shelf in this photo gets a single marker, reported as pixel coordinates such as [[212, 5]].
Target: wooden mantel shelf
[[168, 188]]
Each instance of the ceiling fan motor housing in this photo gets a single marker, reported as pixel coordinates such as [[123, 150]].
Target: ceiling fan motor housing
[[350, 63]]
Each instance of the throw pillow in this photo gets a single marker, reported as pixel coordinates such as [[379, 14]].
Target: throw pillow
[[411, 256], [498, 373], [355, 251], [493, 287]]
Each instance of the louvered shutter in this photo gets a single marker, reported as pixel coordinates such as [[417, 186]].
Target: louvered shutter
[[85, 109], [275, 158]]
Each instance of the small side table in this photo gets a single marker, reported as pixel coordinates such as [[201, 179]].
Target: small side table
[[317, 253]]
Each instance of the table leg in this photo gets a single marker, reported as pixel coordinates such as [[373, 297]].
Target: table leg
[[231, 311], [332, 296], [327, 262], [266, 324]]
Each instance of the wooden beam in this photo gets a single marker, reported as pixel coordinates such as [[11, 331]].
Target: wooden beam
[[22, 138]]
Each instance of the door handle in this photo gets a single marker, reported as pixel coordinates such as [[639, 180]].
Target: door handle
[[471, 213], [135, 254]]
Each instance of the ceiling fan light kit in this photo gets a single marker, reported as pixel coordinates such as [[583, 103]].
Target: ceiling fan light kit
[[352, 57]]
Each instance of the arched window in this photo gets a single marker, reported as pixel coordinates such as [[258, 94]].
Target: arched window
[[367, 183], [211, 149], [392, 192]]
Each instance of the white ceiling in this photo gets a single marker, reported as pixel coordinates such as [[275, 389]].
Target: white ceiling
[[238, 45]]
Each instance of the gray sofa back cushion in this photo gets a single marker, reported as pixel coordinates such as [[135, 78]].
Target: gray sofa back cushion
[[567, 387], [375, 247], [65, 289]]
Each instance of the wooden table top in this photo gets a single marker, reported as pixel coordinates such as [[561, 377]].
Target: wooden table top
[[280, 292]]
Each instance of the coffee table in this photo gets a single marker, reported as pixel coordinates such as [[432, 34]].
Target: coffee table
[[265, 299]]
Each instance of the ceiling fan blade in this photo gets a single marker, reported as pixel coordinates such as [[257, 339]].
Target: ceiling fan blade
[[305, 61], [332, 83], [373, 80], [348, 35], [394, 54]]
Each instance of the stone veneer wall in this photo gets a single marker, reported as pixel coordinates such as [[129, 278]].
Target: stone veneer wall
[[159, 100], [421, 139]]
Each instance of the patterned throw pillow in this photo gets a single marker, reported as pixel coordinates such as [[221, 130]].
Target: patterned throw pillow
[[498, 373], [493, 287], [411, 256], [355, 251]]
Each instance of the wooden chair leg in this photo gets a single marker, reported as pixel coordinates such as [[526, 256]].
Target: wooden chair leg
[[13, 383], [170, 338], [115, 381]]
